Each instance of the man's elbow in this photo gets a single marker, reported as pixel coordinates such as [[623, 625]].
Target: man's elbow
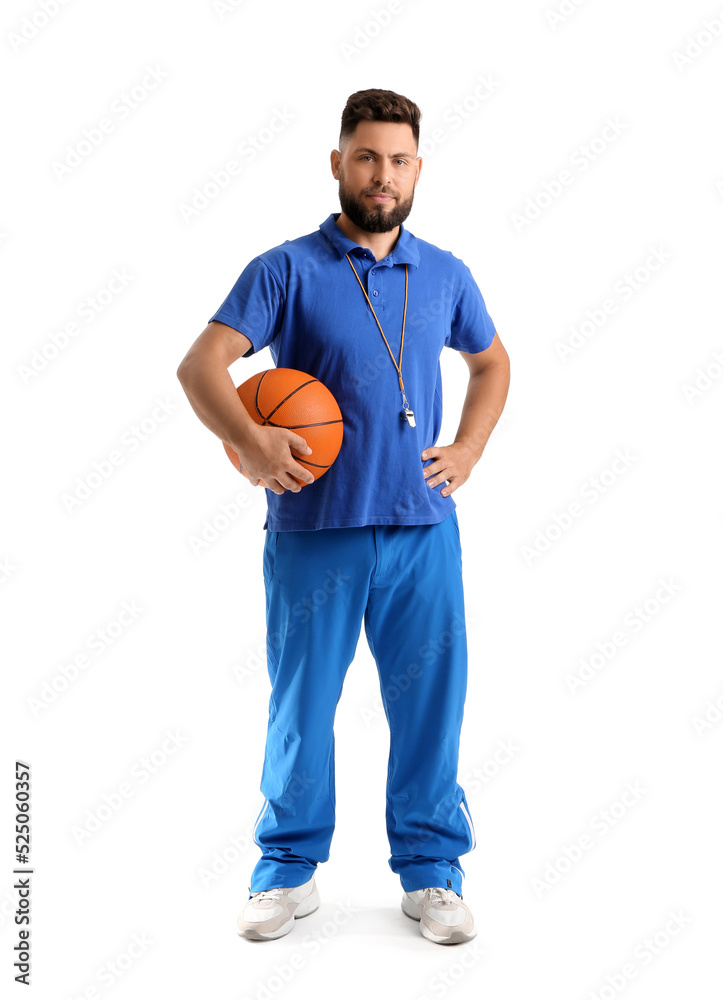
[[183, 369]]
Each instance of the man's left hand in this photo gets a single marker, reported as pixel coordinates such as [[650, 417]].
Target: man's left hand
[[453, 462]]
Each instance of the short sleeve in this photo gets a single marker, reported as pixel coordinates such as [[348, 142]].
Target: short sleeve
[[254, 306], [471, 328]]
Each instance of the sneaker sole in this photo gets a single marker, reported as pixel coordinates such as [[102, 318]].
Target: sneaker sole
[[305, 907], [457, 937]]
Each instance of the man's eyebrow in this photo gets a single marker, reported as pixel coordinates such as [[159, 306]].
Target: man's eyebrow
[[366, 149]]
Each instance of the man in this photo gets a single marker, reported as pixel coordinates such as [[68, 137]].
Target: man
[[365, 307]]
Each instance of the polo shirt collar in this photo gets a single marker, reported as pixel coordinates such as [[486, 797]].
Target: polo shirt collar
[[405, 251]]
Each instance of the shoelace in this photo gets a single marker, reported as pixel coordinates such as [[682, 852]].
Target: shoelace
[[266, 894], [438, 894]]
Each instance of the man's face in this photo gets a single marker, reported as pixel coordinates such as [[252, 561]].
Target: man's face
[[379, 159]]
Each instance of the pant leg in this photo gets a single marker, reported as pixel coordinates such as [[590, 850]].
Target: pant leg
[[415, 627], [317, 585]]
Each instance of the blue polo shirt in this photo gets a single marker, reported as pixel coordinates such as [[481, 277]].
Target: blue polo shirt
[[302, 301]]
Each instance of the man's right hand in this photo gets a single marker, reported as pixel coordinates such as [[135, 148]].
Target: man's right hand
[[266, 455]]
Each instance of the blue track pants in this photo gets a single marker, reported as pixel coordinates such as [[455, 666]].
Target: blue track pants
[[405, 582]]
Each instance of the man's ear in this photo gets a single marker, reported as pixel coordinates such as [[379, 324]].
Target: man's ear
[[335, 160]]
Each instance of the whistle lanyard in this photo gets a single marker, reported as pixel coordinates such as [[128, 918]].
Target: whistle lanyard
[[406, 413]]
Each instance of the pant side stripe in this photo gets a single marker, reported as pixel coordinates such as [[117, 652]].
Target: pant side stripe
[[469, 824], [261, 814]]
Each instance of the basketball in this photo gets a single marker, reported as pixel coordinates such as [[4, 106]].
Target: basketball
[[285, 397]]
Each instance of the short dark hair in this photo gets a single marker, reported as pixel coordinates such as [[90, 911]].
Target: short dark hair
[[378, 106]]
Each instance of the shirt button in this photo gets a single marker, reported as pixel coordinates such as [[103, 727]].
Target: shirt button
[[375, 292], [374, 272]]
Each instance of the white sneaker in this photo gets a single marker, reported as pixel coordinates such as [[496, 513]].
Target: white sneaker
[[443, 916], [270, 913]]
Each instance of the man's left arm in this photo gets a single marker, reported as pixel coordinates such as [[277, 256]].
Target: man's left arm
[[489, 381]]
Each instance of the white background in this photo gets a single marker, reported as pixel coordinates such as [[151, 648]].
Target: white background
[[192, 660]]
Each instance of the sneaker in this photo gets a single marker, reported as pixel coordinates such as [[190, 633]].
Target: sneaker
[[270, 913], [443, 917]]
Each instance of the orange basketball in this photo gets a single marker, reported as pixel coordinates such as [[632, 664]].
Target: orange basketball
[[285, 397]]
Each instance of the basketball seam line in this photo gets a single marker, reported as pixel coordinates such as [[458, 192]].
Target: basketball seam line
[[281, 403], [267, 420]]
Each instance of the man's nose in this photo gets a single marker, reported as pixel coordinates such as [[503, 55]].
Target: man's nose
[[382, 175]]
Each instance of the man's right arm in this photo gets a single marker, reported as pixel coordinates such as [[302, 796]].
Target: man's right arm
[[265, 452]]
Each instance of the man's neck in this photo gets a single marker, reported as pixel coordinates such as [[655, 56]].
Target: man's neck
[[380, 244]]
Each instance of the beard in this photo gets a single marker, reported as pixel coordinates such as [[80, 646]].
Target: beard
[[381, 218]]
